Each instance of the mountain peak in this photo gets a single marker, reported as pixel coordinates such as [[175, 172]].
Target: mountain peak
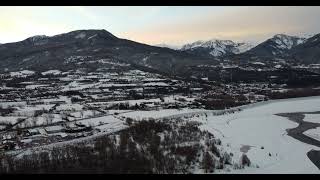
[[212, 43], [308, 52], [217, 47], [281, 36], [87, 33], [283, 41], [285, 36], [278, 45], [37, 37], [37, 40]]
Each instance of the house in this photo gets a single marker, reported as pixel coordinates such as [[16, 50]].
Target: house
[[2, 147], [8, 136], [42, 131], [6, 111], [8, 145], [54, 129], [76, 128], [26, 141], [32, 132]]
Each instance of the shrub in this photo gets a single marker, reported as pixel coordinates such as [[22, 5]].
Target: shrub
[[245, 161], [208, 163]]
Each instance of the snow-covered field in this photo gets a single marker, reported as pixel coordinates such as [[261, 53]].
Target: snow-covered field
[[10, 119], [165, 113], [99, 121], [133, 102], [168, 99], [84, 114], [258, 127], [315, 118], [255, 130], [313, 133], [270, 150], [8, 104], [70, 107], [54, 72], [35, 86], [29, 110]]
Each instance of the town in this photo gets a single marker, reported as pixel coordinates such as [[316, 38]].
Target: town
[[39, 108]]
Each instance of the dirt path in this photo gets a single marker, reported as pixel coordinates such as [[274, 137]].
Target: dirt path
[[303, 126]]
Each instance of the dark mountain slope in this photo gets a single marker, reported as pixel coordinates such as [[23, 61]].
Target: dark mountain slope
[[308, 52], [65, 50]]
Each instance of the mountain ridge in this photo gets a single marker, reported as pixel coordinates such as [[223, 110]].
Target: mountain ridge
[[51, 52], [278, 45], [92, 45], [216, 47]]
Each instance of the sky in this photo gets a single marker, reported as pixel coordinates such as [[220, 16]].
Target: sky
[[173, 25]]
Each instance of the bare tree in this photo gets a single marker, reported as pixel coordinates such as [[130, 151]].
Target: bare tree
[[208, 163], [50, 118], [46, 119], [64, 115], [90, 124], [94, 112], [26, 124], [34, 121]]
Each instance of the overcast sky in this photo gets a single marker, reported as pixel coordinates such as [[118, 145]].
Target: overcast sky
[[156, 25]]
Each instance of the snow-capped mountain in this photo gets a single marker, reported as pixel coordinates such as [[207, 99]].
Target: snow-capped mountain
[[175, 47], [309, 51], [56, 52], [37, 40], [286, 42], [216, 48], [278, 45], [81, 47], [307, 35]]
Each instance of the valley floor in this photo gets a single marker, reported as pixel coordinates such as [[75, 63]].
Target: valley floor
[[262, 135], [256, 130], [258, 127]]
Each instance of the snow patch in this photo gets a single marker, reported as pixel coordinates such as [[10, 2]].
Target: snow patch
[[81, 35], [53, 72]]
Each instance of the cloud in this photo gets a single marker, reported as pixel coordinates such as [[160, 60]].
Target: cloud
[[240, 23], [154, 25], [18, 23]]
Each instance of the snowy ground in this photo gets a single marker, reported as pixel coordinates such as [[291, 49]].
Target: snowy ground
[[70, 107], [256, 131], [141, 115], [10, 119], [258, 127], [133, 102], [168, 99], [99, 121], [313, 133], [315, 118], [84, 114], [8, 104], [29, 110]]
